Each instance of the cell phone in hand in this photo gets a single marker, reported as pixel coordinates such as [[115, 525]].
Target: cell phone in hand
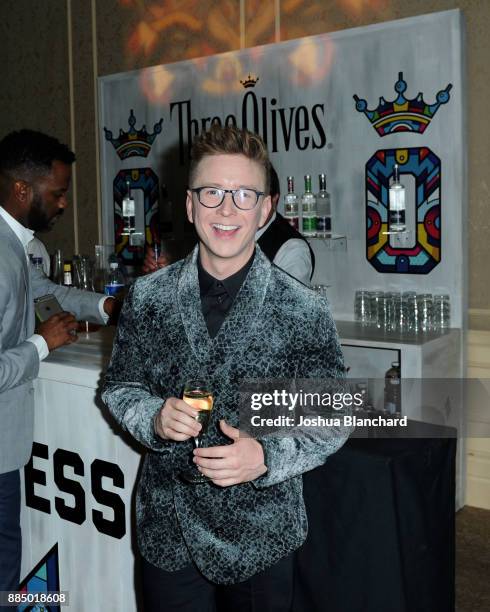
[[46, 306]]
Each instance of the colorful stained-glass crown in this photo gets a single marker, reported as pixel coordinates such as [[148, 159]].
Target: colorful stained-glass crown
[[402, 114], [133, 142]]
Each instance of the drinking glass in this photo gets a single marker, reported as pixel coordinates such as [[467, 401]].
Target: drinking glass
[[441, 314], [389, 304], [362, 307], [376, 307], [409, 299], [84, 272], [198, 395], [57, 267], [84, 279], [386, 313], [401, 323], [102, 255], [425, 308]]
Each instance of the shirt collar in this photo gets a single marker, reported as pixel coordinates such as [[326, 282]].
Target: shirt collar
[[24, 234], [231, 284]]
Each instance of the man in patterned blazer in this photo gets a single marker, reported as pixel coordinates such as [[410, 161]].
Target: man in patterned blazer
[[224, 314], [35, 173]]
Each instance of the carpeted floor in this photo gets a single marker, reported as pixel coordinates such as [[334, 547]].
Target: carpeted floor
[[473, 560]]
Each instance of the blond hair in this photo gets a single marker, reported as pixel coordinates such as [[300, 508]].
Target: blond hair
[[229, 140]]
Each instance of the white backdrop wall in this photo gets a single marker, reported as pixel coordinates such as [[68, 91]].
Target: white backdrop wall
[[302, 103]]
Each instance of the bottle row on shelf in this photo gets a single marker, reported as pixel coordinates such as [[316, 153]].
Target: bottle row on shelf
[[83, 273], [310, 214]]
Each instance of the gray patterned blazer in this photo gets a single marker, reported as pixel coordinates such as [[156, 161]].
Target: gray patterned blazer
[[19, 360], [276, 328]]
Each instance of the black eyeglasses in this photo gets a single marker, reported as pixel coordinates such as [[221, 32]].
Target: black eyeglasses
[[212, 197]]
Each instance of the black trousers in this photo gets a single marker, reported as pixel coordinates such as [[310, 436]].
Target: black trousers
[[187, 590]]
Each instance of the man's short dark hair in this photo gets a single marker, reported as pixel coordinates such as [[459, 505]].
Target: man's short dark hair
[[27, 154]]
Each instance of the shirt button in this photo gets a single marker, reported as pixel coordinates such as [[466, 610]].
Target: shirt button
[[220, 299], [219, 284]]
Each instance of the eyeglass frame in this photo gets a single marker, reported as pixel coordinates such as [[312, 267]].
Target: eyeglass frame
[[225, 191]]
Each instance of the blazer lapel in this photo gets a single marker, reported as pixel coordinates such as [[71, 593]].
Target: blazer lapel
[[239, 325], [189, 301]]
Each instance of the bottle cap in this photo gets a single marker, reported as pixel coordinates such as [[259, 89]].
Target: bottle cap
[[113, 265], [67, 267]]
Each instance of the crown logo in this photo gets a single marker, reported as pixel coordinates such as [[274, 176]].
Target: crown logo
[[402, 114], [133, 142], [249, 81]]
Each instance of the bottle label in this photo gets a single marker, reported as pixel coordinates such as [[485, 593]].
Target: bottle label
[[309, 224], [397, 217], [67, 279], [397, 198], [324, 224], [128, 207], [113, 289]]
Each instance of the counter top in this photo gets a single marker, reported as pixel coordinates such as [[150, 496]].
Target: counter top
[[92, 352], [90, 355]]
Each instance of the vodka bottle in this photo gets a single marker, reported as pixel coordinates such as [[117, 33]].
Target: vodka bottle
[[115, 280], [291, 205], [397, 204], [308, 207], [128, 211], [393, 389], [324, 211], [57, 267]]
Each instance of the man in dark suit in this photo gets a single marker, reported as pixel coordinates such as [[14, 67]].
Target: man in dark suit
[[35, 172], [224, 314], [282, 243]]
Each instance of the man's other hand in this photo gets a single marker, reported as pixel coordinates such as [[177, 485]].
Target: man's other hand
[[112, 307], [234, 463], [149, 263], [58, 330], [176, 420]]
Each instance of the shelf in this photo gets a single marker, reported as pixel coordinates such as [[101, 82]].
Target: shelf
[[336, 242], [353, 331]]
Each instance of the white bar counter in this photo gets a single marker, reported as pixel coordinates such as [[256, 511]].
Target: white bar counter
[[78, 489]]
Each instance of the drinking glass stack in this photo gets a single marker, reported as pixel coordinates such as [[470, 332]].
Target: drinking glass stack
[[406, 312]]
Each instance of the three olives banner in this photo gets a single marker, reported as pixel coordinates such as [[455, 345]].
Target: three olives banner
[[351, 104]]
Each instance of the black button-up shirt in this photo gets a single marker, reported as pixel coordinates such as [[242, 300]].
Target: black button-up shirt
[[217, 296]]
